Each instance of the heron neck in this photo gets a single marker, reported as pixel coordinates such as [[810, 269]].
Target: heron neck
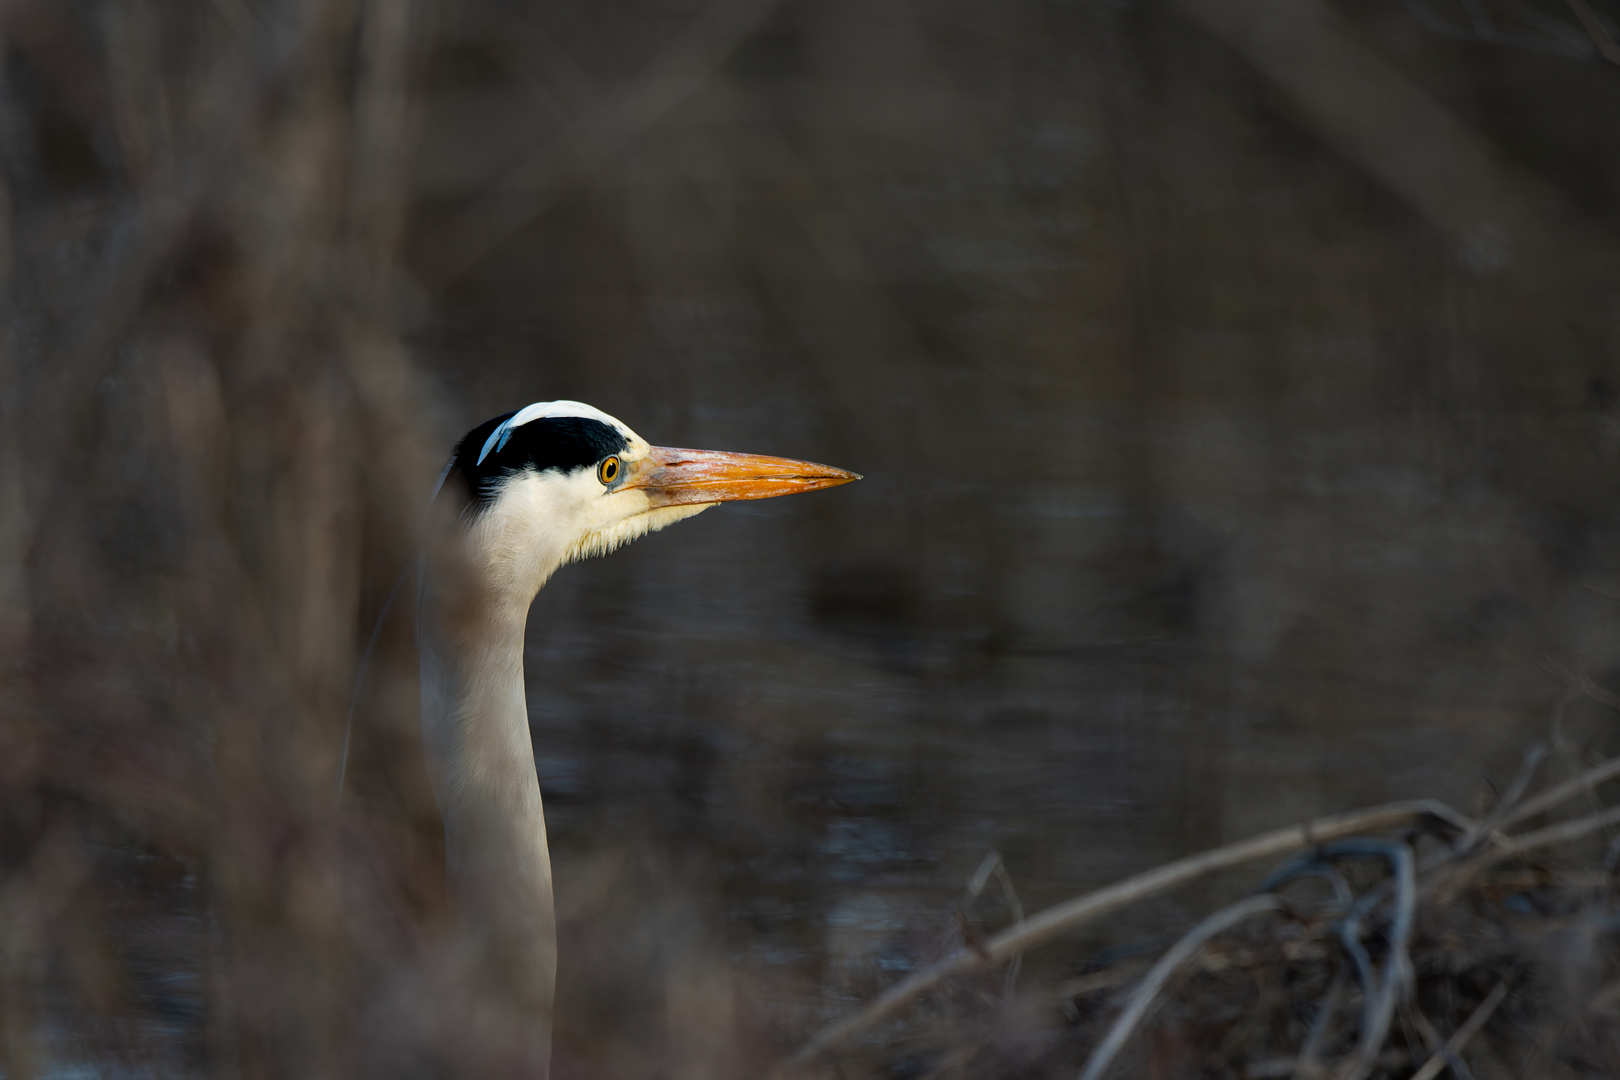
[[481, 761]]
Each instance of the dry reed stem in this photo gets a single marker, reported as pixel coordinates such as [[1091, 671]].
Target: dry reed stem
[[523, 192], [1450, 883], [1586, 781]]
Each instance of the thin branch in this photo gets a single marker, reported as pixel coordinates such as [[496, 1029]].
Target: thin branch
[[1437, 1046], [1380, 1003], [1184, 950], [1508, 847], [993, 866], [1553, 835], [1585, 782], [1516, 790], [1489, 824], [1311, 865], [1306, 1066], [1596, 30], [1011, 895], [1097, 980], [1580, 680], [1454, 1046]]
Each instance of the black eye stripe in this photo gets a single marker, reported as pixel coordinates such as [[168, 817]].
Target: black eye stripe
[[563, 443]]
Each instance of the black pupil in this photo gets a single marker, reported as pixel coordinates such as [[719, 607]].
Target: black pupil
[[610, 469]]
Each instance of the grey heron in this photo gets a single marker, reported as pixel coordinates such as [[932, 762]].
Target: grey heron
[[524, 494]]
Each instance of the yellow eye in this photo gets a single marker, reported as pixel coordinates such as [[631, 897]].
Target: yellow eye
[[608, 471]]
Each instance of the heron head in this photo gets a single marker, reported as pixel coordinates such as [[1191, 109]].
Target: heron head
[[558, 481]]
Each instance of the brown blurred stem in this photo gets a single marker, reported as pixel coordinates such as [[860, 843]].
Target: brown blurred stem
[[1370, 112], [1596, 30], [523, 192]]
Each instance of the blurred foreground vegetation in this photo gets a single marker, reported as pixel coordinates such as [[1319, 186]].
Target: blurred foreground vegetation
[[1236, 383]]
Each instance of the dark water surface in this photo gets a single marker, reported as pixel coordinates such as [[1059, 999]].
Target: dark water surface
[[1208, 486]]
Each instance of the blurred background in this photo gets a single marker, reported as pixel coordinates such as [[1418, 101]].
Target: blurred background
[[1237, 385]]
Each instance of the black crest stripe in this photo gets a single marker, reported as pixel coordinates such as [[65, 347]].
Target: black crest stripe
[[561, 443]]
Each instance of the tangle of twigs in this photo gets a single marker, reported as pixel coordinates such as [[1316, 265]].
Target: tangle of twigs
[[1438, 939]]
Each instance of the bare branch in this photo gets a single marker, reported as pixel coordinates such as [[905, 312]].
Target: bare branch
[[1064, 917], [1184, 950], [1380, 998], [1509, 847], [1454, 1046], [1550, 798]]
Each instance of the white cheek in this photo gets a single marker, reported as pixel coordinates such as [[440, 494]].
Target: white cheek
[[535, 519], [540, 521], [627, 522]]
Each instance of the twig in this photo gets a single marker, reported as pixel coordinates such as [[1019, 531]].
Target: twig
[[1553, 835], [1310, 865], [1580, 680], [1437, 1046], [1380, 1005], [1350, 938], [1488, 824], [1160, 973], [1305, 1066], [1047, 924], [993, 864], [1096, 980], [1554, 38], [1596, 30], [1508, 847], [1470, 1028], [1550, 798], [1515, 791]]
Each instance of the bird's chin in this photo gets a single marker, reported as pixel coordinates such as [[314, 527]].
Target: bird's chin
[[620, 533]]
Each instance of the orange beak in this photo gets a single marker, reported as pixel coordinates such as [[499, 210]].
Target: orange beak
[[674, 477]]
